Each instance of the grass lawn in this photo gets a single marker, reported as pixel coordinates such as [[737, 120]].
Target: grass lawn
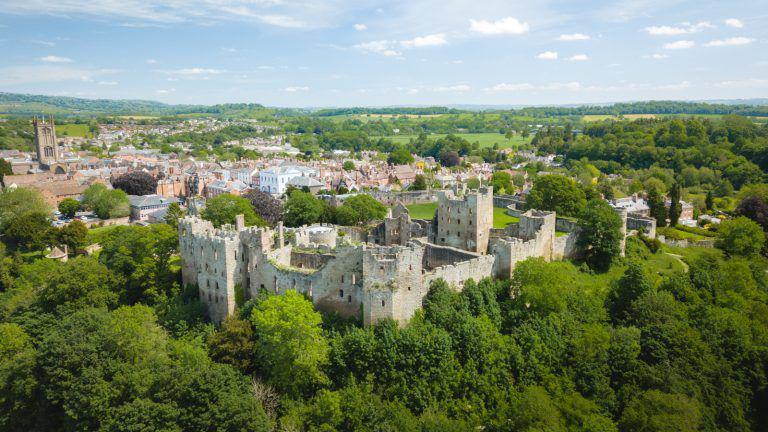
[[73, 130], [484, 139], [674, 233], [427, 211], [95, 235]]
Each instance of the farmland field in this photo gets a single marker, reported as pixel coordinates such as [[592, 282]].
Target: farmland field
[[73, 130], [484, 139], [601, 117]]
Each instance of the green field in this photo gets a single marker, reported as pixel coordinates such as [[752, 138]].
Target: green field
[[427, 211], [73, 130], [484, 139]]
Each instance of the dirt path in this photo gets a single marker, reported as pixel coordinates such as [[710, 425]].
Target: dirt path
[[680, 259]]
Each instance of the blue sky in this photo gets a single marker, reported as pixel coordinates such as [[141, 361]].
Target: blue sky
[[367, 52]]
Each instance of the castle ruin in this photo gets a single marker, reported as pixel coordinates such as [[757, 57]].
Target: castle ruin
[[371, 274]]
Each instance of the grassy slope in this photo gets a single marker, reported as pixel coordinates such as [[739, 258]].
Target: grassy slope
[[73, 130]]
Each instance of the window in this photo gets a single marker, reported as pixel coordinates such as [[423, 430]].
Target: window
[[382, 303], [349, 299], [341, 293], [342, 278]]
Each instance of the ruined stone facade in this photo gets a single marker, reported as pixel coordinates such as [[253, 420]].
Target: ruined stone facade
[[376, 274]]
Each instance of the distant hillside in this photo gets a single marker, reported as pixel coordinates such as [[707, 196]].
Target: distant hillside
[[24, 105], [14, 104]]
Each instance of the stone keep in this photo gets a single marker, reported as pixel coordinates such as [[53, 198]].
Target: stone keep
[[464, 222]]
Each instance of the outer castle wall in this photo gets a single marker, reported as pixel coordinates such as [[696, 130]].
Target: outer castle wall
[[342, 272]]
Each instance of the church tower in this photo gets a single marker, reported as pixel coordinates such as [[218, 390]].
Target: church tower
[[45, 141]]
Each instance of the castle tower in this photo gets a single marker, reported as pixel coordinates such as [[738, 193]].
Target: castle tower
[[45, 141], [465, 222]]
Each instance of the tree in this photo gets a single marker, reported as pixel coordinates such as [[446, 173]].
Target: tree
[[656, 411], [15, 202], [17, 378], [173, 214], [600, 236], [675, 208], [30, 231], [80, 283], [658, 209], [142, 256], [69, 207], [233, 344], [709, 202], [348, 166], [303, 208], [74, 235], [633, 284], [755, 208], [502, 183], [224, 208], [556, 193], [400, 156], [266, 206], [106, 203], [136, 183], [419, 183], [359, 210], [740, 236], [290, 342], [450, 159], [5, 169]]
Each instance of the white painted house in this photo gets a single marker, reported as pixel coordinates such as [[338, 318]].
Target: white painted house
[[275, 180]]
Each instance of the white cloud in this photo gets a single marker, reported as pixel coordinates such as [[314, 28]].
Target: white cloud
[[292, 14], [571, 86], [265, 67], [150, 61], [282, 21], [506, 87], [750, 82], [734, 41], [48, 73], [573, 37], [508, 25], [382, 47], [679, 86], [43, 42], [166, 91], [55, 59], [195, 71], [107, 83], [578, 57], [457, 61], [459, 88], [656, 56], [683, 28], [360, 27], [296, 89], [679, 45], [547, 55], [425, 41], [734, 22]]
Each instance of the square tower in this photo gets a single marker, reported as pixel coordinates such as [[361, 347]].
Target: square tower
[[464, 222], [45, 141]]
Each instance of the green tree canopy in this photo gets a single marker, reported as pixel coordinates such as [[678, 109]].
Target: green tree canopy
[[600, 236], [360, 209], [303, 208], [290, 342], [740, 236], [224, 208], [558, 193], [69, 207]]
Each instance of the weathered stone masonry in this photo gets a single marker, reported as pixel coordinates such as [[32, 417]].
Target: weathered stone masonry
[[382, 273]]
